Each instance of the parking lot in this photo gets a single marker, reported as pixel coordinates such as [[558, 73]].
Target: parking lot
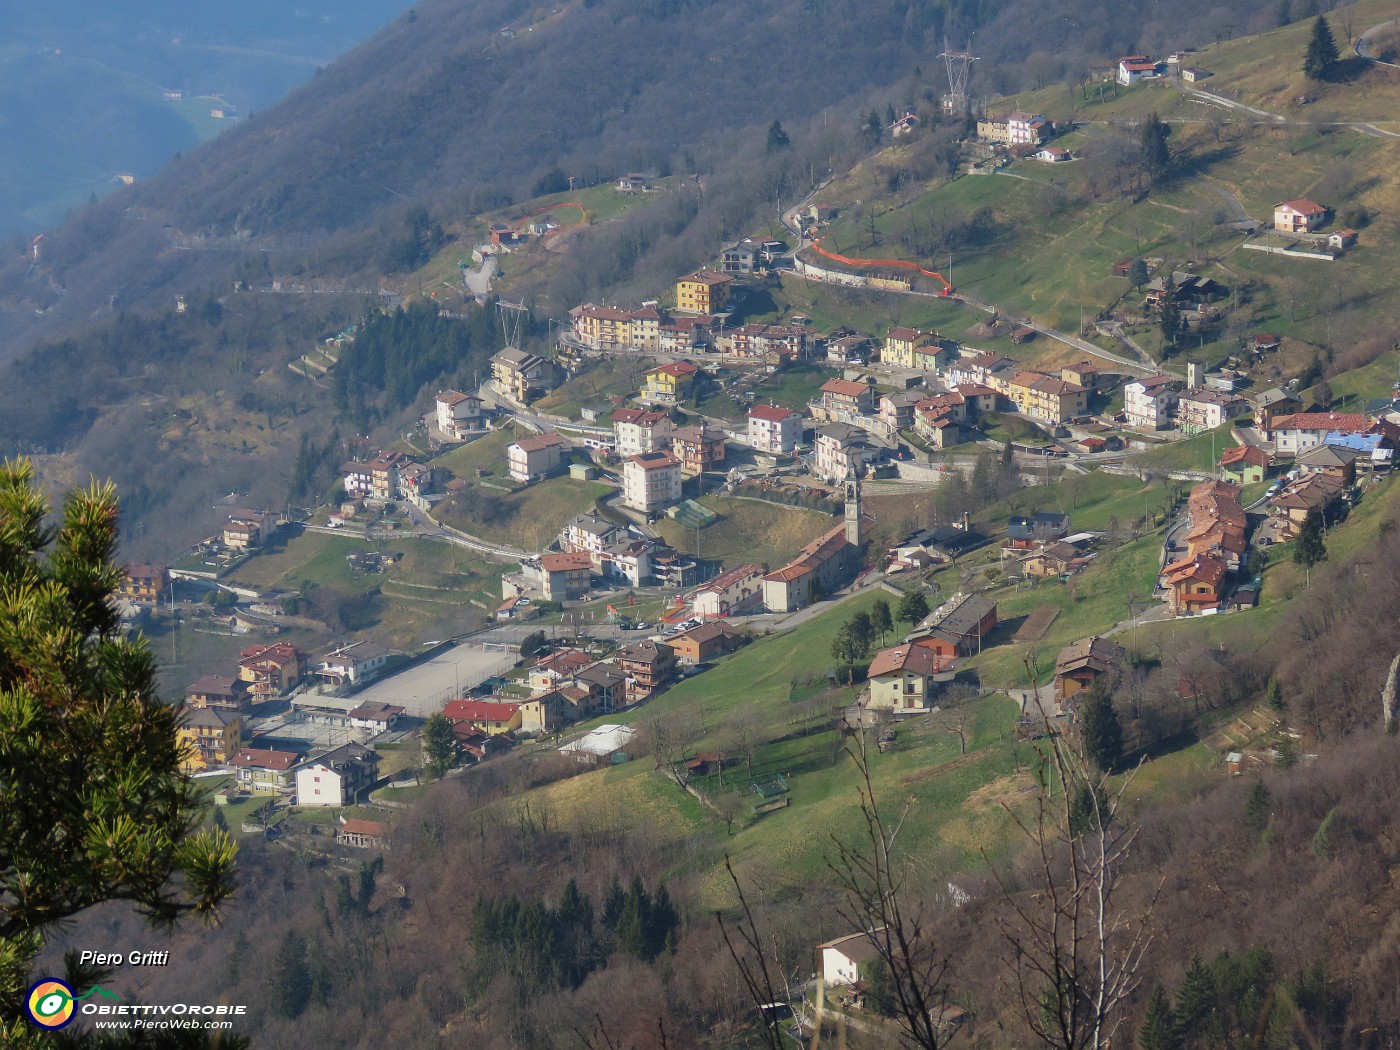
[[425, 689]]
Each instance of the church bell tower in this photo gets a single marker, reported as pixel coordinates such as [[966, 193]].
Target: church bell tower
[[853, 536]]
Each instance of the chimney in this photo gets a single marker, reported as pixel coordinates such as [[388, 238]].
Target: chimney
[[965, 524]]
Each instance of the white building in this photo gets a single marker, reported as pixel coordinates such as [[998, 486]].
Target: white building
[[651, 480], [1026, 129], [1304, 430], [591, 535], [774, 429], [1148, 402], [457, 413], [641, 430], [1132, 68], [841, 447], [338, 777], [737, 591], [1200, 409], [842, 958], [352, 663]]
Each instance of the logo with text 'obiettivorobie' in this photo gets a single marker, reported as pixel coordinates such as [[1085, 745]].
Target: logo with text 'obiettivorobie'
[[51, 1002]]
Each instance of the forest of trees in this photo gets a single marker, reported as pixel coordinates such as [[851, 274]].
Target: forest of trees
[[393, 355]]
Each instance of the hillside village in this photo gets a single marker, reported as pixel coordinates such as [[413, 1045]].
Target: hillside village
[[880, 409], [824, 490]]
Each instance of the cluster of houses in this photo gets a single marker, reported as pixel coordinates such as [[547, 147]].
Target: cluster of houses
[[1215, 548], [569, 685], [1132, 69], [217, 706], [591, 547]]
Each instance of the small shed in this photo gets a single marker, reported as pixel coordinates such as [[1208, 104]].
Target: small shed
[[582, 471]]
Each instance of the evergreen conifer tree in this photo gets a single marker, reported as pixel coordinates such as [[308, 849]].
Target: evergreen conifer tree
[[1322, 55], [1100, 729], [1257, 807], [1156, 157], [93, 803], [1158, 1031], [881, 618], [292, 975], [439, 746], [1195, 1001], [1310, 548]]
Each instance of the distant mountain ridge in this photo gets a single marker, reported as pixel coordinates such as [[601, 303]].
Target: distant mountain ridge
[[90, 93]]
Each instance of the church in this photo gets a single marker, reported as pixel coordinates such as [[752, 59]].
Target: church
[[825, 565]]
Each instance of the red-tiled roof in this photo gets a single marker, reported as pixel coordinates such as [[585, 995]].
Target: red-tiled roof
[[772, 413], [1303, 206], [368, 828], [1251, 454], [540, 442], [261, 758], [916, 659], [676, 368], [480, 711], [565, 562], [640, 416], [1342, 422], [844, 387]]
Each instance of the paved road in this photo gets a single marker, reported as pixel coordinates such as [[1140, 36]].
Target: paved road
[[1364, 127], [1363, 43], [1229, 103]]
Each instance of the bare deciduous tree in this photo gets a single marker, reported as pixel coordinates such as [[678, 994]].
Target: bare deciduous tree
[[1075, 954], [872, 884]]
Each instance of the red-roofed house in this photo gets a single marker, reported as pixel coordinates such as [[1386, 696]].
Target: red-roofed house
[[144, 583], [667, 384], [271, 670], [363, 834], [1132, 68], [901, 677], [565, 577], [536, 457], [703, 292], [641, 430], [774, 429], [487, 715], [1244, 464], [699, 448], [1300, 216], [651, 480], [738, 590], [845, 395], [1302, 430], [264, 771], [457, 413], [1195, 584], [912, 348]]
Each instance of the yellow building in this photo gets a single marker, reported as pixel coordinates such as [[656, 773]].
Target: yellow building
[[703, 292], [668, 383], [911, 348], [144, 583], [603, 327], [209, 737]]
